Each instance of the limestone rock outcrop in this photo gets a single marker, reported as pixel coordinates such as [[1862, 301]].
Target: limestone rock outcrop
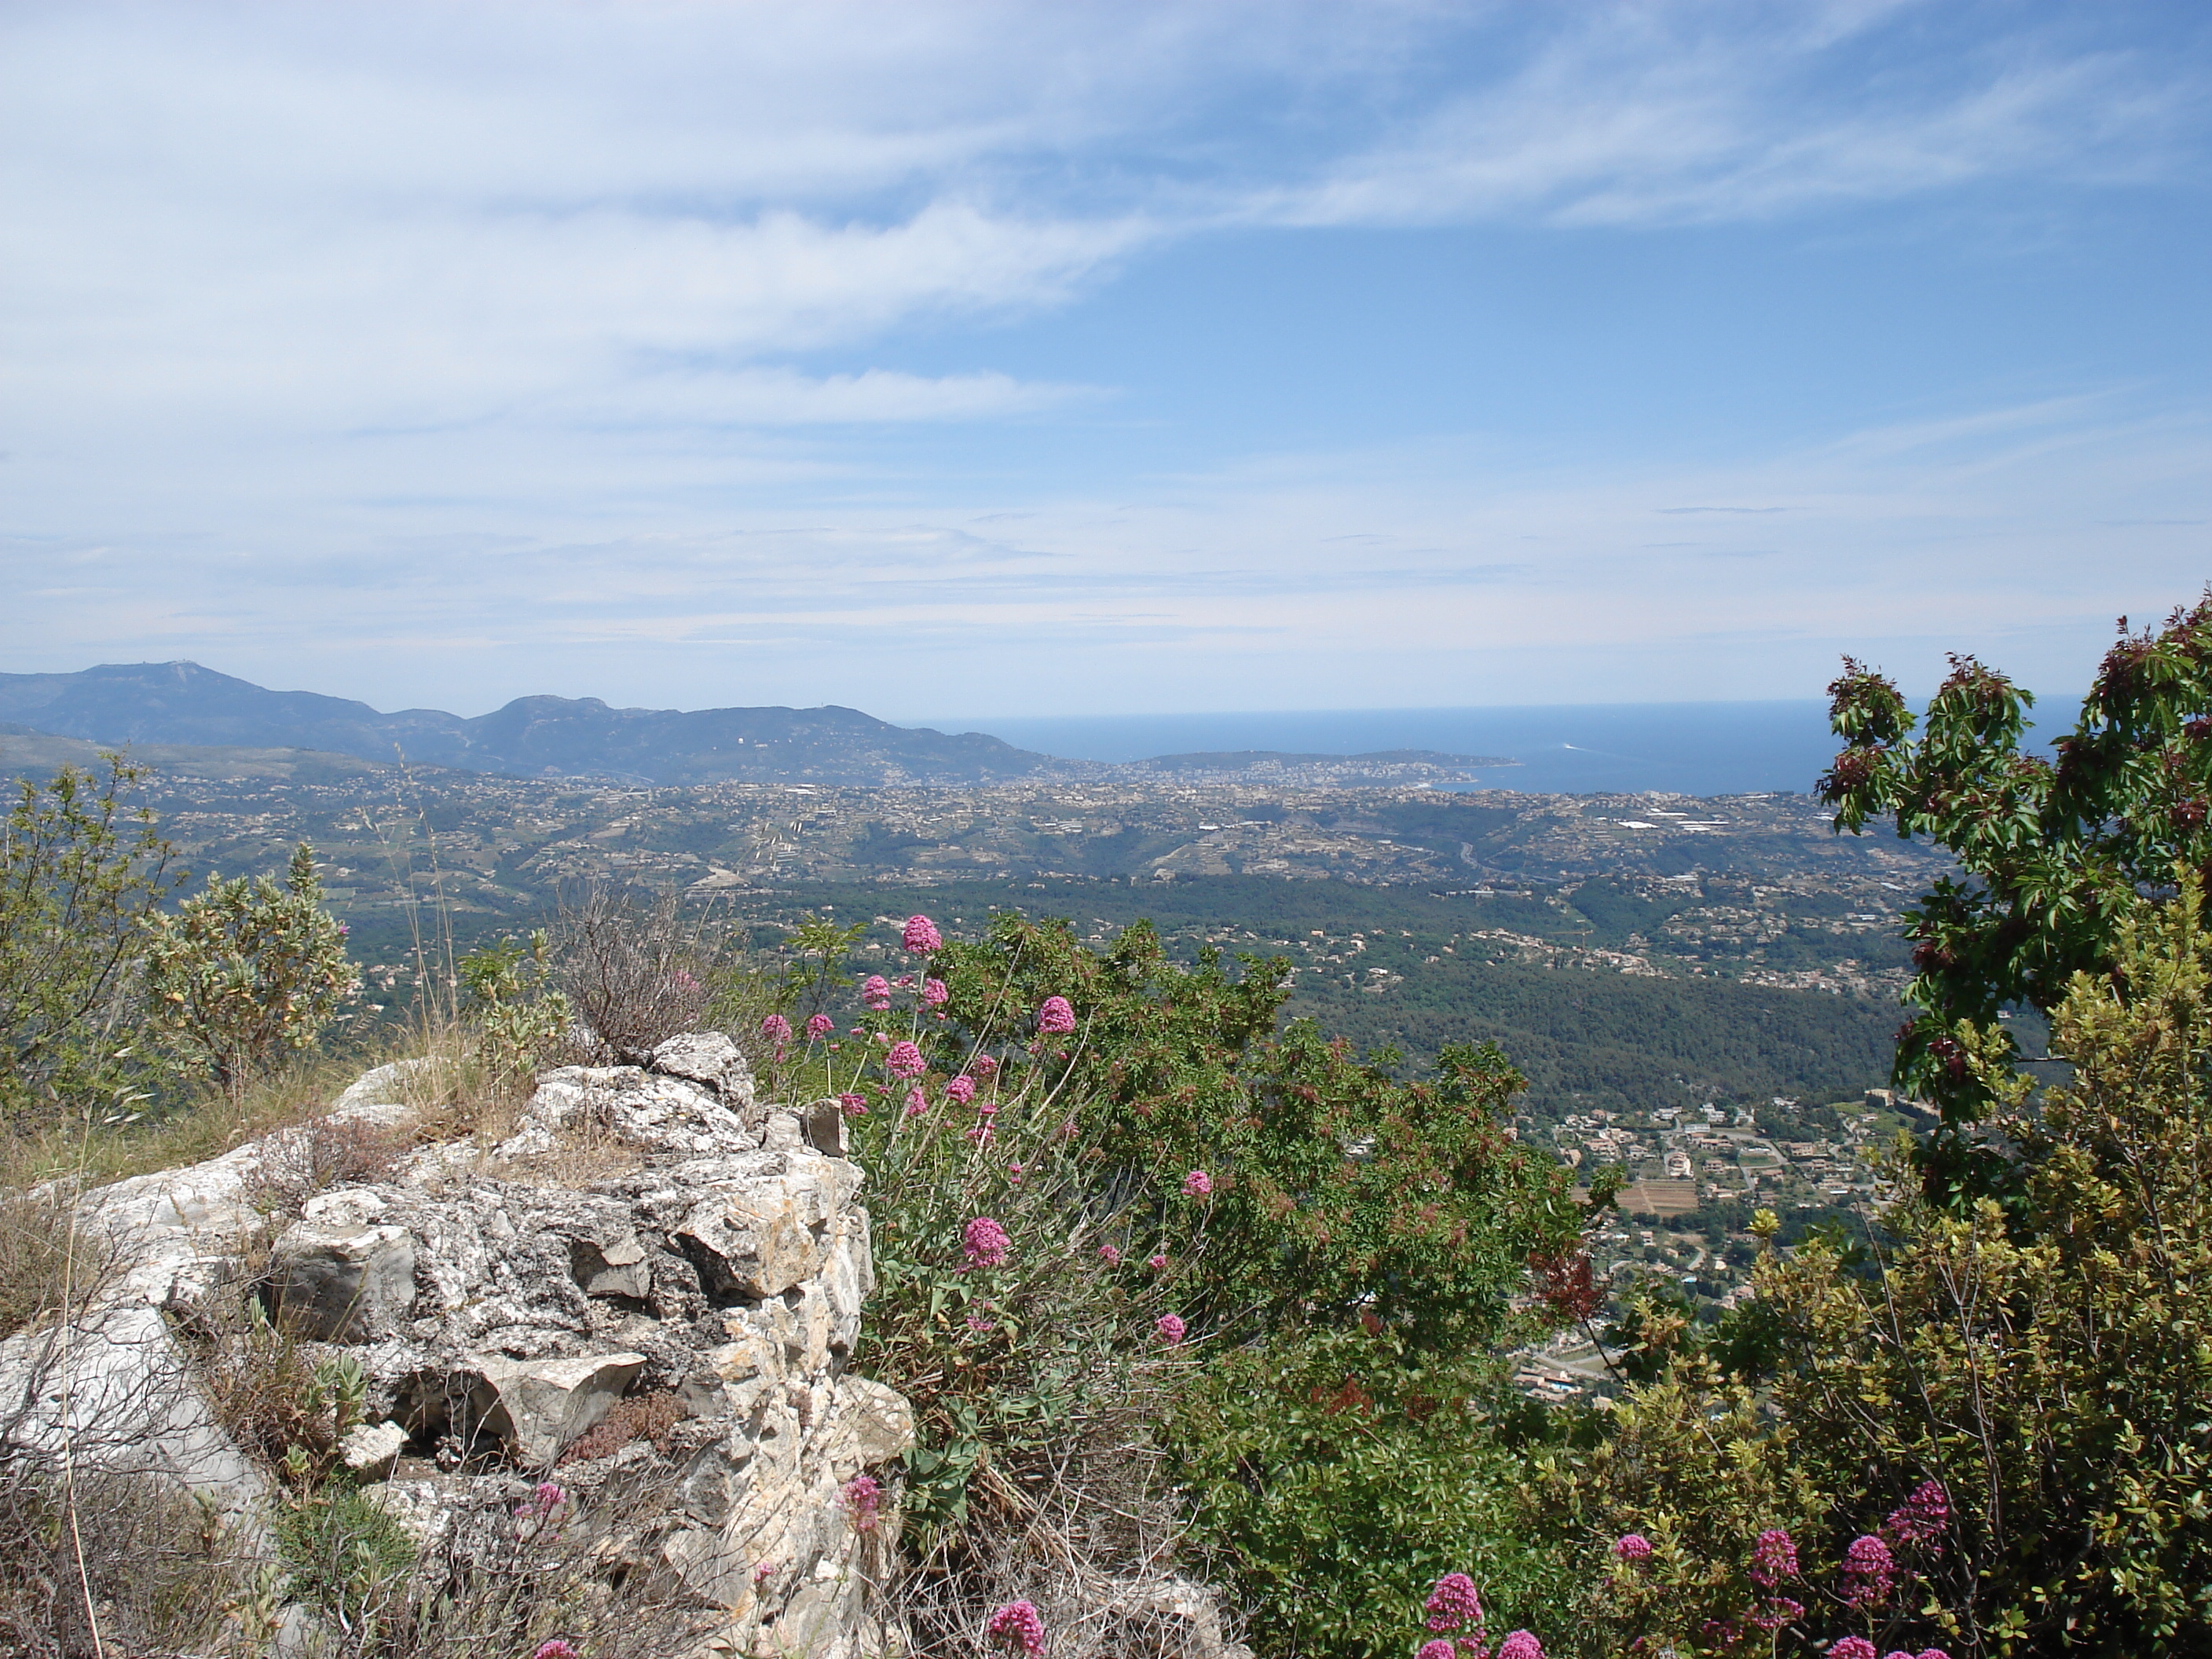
[[685, 1298]]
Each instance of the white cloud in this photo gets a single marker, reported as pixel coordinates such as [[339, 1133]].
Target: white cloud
[[510, 345]]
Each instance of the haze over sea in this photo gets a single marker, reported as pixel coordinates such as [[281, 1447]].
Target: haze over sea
[[1678, 748]]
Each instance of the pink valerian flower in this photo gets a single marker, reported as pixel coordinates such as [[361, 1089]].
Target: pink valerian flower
[[1869, 1572], [921, 937], [876, 992], [1779, 1610], [556, 1649], [1632, 1546], [819, 1026], [905, 1061], [853, 1105], [1851, 1647], [983, 1066], [960, 1090], [934, 992], [1452, 1603], [1057, 1015], [1521, 1645], [1720, 1633], [1773, 1558], [981, 1326], [986, 1243], [1158, 1264], [546, 1499], [1438, 1648], [980, 1132], [1170, 1328], [1018, 1625], [776, 1028], [863, 1498], [1014, 1173], [1197, 1184], [904, 982], [916, 1103], [1110, 1256], [1923, 1518]]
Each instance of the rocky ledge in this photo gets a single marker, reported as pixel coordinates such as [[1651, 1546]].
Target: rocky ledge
[[656, 1281]]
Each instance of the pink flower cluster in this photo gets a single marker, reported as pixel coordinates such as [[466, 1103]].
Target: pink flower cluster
[[921, 937], [983, 1066], [1170, 1329], [1857, 1646], [1452, 1603], [863, 1498], [905, 1061], [1773, 1558], [854, 1105], [1057, 1015], [1923, 1518], [1632, 1546], [1197, 1184], [986, 1243], [933, 993], [876, 992], [556, 1649], [1017, 1624], [1521, 1645], [960, 1090], [820, 1026], [1870, 1572], [1437, 1648], [776, 1028]]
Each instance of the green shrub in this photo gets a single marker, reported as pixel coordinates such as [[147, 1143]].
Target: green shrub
[[1153, 1150], [82, 873], [247, 973], [2044, 1371]]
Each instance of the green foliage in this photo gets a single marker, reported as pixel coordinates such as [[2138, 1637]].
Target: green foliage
[[1174, 1153], [1336, 1477], [81, 873], [248, 972], [2054, 854], [2049, 1368], [347, 1555], [510, 997]]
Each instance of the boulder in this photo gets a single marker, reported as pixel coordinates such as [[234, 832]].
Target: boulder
[[337, 1275], [709, 1057], [370, 1449], [538, 1406]]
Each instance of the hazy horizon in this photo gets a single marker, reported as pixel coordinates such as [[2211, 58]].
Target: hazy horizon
[[1168, 356]]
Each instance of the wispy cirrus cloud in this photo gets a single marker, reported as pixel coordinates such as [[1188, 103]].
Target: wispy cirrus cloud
[[457, 332]]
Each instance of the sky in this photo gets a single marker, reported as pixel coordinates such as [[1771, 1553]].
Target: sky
[[1070, 359]]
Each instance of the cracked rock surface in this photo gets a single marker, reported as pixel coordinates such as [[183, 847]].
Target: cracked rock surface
[[699, 1271]]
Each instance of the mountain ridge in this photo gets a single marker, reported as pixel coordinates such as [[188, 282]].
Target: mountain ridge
[[183, 703]]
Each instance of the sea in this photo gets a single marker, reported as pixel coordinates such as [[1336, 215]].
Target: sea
[[1674, 748]]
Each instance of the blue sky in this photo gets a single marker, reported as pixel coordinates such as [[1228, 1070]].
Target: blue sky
[[1099, 359]]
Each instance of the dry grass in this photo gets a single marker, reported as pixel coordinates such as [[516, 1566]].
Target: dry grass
[[34, 1257], [105, 1565], [1092, 1551]]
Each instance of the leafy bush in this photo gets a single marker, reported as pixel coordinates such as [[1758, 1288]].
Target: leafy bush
[[247, 972], [1101, 1182], [2006, 1415], [519, 1015], [82, 874]]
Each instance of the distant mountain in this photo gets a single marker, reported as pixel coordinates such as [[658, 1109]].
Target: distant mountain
[[181, 703]]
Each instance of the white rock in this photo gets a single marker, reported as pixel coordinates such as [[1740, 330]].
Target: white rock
[[538, 1406], [370, 1449]]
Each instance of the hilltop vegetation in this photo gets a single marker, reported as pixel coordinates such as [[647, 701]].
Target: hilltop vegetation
[[1155, 1243]]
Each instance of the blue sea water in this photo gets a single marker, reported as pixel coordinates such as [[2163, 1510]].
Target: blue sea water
[[1682, 747]]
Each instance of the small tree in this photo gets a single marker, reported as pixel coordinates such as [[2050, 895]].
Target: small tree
[[249, 971], [1998, 1442], [80, 872], [2053, 854]]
